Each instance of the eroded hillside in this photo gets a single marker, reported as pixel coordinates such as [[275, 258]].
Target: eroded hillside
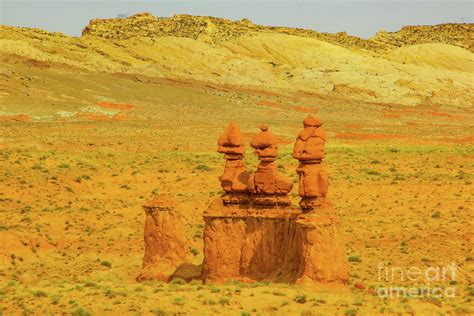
[[226, 53]]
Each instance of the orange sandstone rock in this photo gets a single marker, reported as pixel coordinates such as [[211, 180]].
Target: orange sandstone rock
[[235, 177], [250, 244], [267, 186], [323, 248], [253, 243], [165, 245], [268, 239], [309, 150]]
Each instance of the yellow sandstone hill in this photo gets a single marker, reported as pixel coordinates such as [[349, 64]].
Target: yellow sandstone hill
[[240, 53]]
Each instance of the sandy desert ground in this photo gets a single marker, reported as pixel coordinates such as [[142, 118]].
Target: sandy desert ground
[[92, 127]]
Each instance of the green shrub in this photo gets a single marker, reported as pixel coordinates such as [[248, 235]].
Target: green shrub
[[40, 293], [203, 167], [106, 264], [178, 301], [158, 311], [354, 259], [224, 300], [178, 281], [80, 311], [301, 299]]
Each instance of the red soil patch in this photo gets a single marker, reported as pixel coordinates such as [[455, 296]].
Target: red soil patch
[[463, 140], [271, 104], [15, 118], [117, 106], [304, 109], [175, 82], [401, 112], [275, 105], [357, 136], [455, 117]]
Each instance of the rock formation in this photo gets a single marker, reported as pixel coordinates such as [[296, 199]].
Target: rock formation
[[252, 233], [218, 30], [267, 186], [165, 246], [235, 177], [250, 244], [309, 150], [268, 239]]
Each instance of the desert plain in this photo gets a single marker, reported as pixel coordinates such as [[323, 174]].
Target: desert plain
[[92, 127]]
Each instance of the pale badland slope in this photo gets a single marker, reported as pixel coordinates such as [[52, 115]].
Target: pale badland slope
[[240, 53]]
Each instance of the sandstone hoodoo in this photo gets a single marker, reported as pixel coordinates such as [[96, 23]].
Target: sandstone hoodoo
[[165, 245], [309, 150], [235, 177], [253, 233], [267, 238], [267, 186]]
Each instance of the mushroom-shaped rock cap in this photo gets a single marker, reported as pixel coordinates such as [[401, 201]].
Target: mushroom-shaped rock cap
[[162, 203], [311, 121], [231, 137], [263, 139]]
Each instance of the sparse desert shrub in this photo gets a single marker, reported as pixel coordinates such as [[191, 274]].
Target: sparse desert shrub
[[195, 282], [350, 312], [40, 293], [436, 214], [300, 298], [64, 166], [194, 251], [106, 264], [178, 281], [354, 259], [90, 284], [178, 301], [55, 299], [371, 172], [203, 167], [278, 293], [215, 289], [224, 300], [209, 301], [158, 311], [80, 311]]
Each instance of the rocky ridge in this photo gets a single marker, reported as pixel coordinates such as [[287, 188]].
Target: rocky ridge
[[218, 30]]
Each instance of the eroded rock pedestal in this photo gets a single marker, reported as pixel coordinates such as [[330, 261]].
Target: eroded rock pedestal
[[250, 244], [277, 244], [323, 247], [165, 245]]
